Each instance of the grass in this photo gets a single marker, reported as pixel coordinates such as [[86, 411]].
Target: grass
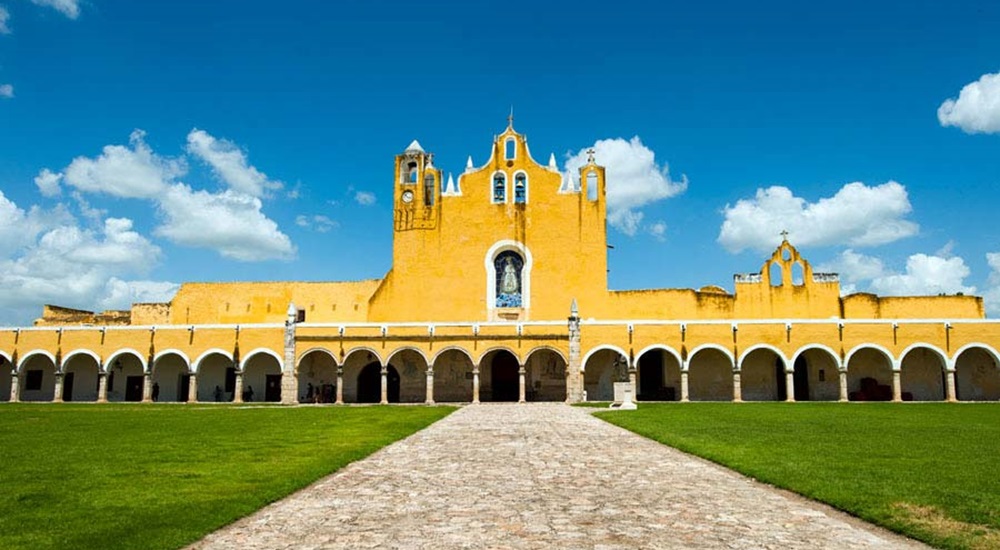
[[161, 476], [929, 471]]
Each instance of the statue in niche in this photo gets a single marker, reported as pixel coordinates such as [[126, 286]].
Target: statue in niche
[[510, 284], [508, 279]]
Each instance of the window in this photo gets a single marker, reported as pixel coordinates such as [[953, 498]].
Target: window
[[33, 380], [592, 186], [499, 187], [411, 173], [520, 188], [300, 316], [507, 267], [510, 149], [429, 190]]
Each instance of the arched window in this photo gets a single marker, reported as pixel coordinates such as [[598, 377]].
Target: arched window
[[510, 149], [507, 269], [520, 188], [592, 186], [411, 173], [499, 187], [429, 190]]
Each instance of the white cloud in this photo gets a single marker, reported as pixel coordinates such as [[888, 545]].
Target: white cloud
[[48, 182], [126, 172], [317, 223], [364, 198], [69, 8], [230, 164], [19, 228], [4, 17], [977, 109], [119, 294], [658, 230], [229, 222], [858, 215], [634, 179], [6, 91], [924, 275], [991, 297]]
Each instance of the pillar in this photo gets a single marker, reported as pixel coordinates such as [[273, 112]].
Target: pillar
[[897, 387], [430, 386], [57, 396], [102, 387], [949, 379], [15, 387], [289, 374], [684, 386], [790, 386], [340, 385], [193, 388], [238, 389], [737, 387], [385, 386], [634, 383], [843, 385], [520, 384], [147, 388], [475, 384], [574, 374]]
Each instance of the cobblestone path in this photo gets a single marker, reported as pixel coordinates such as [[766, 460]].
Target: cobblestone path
[[541, 476]]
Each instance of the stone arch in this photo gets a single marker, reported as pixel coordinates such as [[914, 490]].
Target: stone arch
[[545, 375], [171, 374], [499, 375], [196, 366], [126, 376], [81, 376], [362, 349], [316, 372], [482, 356], [83, 351], [762, 374], [119, 353], [262, 373], [755, 347], [833, 354], [869, 373], [411, 366], [602, 367], [922, 368], [658, 373], [34, 353], [216, 377], [353, 363], [369, 383], [710, 373], [37, 376], [820, 365], [7, 372], [453, 375], [977, 375]]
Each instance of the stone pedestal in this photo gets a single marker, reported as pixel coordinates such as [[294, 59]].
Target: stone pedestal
[[624, 397]]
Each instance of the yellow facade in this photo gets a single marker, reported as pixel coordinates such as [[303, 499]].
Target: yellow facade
[[498, 290]]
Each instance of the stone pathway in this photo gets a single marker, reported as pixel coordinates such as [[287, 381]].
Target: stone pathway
[[541, 476]]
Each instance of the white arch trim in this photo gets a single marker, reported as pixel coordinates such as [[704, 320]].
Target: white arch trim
[[685, 366], [3, 354], [454, 348], [620, 351], [946, 362], [833, 354], [546, 348], [322, 351], [407, 348], [196, 366], [663, 347], [266, 351], [499, 348], [32, 353], [751, 349], [81, 351], [986, 347], [378, 357], [177, 352], [491, 280], [126, 351], [893, 362]]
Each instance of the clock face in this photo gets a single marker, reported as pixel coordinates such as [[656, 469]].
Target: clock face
[[407, 196]]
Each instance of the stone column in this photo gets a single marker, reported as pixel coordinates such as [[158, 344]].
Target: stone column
[[475, 384], [684, 386], [634, 383], [790, 386], [897, 386], [57, 396], [949, 380], [147, 388], [340, 385], [843, 385], [430, 386], [520, 385], [193, 388], [102, 387], [385, 386], [737, 387], [15, 387], [574, 378], [238, 389]]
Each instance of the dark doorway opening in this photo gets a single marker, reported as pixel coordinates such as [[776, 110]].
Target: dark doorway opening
[[779, 379], [183, 387], [504, 374], [801, 379], [272, 387], [651, 377], [68, 386], [370, 384], [133, 388]]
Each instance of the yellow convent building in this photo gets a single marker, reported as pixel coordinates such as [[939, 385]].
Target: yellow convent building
[[498, 291]]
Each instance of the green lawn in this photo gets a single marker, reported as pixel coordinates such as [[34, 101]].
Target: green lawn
[[160, 476], [930, 471]]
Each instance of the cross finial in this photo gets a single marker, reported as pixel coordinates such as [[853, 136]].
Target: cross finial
[[510, 117], [590, 155], [784, 234]]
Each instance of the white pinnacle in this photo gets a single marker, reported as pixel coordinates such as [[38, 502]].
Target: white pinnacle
[[552, 161], [468, 165], [415, 146]]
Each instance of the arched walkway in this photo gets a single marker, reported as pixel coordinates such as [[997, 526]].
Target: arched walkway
[[453, 377], [977, 377], [658, 376], [602, 369], [126, 378], [545, 376], [922, 372], [262, 378], [217, 379], [710, 376], [80, 378], [370, 384], [869, 376], [171, 379], [817, 377], [762, 376], [500, 379], [38, 378], [6, 376], [412, 369], [317, 377], [353, 363]]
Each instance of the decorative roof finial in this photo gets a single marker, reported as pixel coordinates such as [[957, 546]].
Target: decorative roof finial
[[468, 165], [784, 235], [573, 310], [552, 162], [590, 155], [510, 117]]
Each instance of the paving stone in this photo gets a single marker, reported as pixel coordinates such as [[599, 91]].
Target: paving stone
[[511, 476]]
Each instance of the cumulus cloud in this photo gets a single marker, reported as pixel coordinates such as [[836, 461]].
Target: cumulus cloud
[[69, 8], [364, 198], [230, 164], [924, 275], [6, 91], [317, 223], [119, 294], [48, 182], [229, 222], [977, 108], [857, 215], [634, 179], [658, 230], [127, 172], [4, 18]]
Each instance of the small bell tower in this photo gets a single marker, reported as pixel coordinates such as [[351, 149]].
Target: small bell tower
[[417, 195]]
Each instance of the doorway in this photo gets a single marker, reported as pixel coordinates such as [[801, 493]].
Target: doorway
[[370, 384], [133, 388], [800, 379], [504, 376], [272, 388], [68, 386]]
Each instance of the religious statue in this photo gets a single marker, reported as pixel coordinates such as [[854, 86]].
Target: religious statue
[[509, 284]]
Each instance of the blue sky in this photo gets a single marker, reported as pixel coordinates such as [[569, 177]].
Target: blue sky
[[144, 144]]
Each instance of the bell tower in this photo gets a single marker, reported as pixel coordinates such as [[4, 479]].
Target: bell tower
[[417, 196]]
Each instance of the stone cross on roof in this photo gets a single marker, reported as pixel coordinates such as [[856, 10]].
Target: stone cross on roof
[[590, 155], [784, 235]]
